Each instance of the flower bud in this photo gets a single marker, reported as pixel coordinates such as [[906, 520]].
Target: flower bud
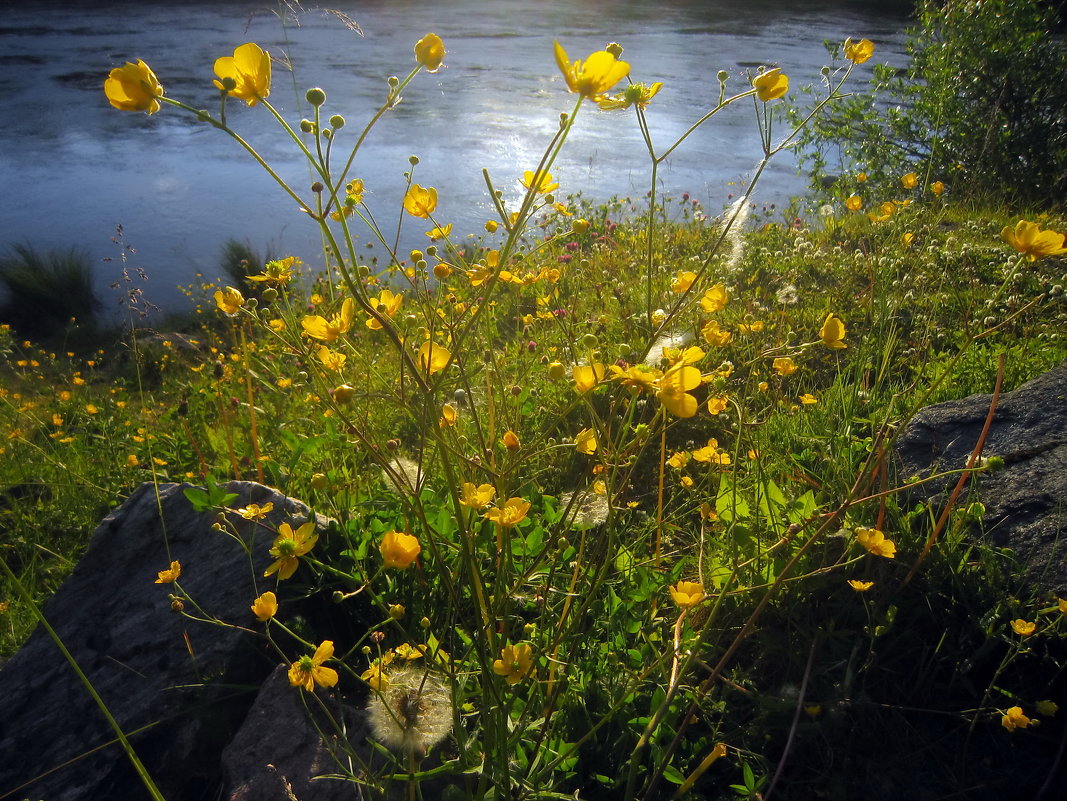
[[337, 121], [363, 271], [425, 623], [307, 126], [722, 75], [396, 611], [556, 371], [270, 294], [229, 84], [316, 96], [413, 160], [615, 49], [580, 226], [590, 341], [319, 481], [441, 271], [317, 187], [393, 82], [343, 393]]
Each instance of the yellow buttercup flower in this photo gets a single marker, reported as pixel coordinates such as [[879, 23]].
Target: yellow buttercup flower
[[770, 85], [171, 574], [858, 52], [515, 662], [229, 300], [1032, 242], [477, 497], [541, 183], [596, 75], [714, 335], [331, 359], [860, 586], [715, 299], [510, 514], [430, 52], [682, 281], [254, 511], [308, 671], [673, 390], [265, 607], [710, 454], [318, 327], [937, 187], [808, 399], [449, 415], [636, 94], [249, 71], [832, 332], [587, 376], [1015, 719], [585, 442], [875, 541], [854, 203], [399, 549], [420, 202], [908, 181], [511, 440], [687, 594], [277, 271], [133, 87], [432, 358], [1024, 628], [288, 547], [386, 304], [783, 365]]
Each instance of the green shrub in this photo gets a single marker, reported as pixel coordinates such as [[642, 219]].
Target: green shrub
[[981, 106], [46, 291]]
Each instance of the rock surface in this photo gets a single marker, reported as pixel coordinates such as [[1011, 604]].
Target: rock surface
[[178, 687], [1026, 502]]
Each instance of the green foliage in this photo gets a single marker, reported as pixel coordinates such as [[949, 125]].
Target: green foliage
[[46, 292], [980, 107]]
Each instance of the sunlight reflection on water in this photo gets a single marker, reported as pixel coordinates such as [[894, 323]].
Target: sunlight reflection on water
[[73, 167]]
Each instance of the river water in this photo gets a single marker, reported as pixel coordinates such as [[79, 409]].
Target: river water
[[72, 168]]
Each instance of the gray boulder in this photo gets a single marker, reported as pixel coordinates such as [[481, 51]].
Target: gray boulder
[[1026, 502], [179, 688]]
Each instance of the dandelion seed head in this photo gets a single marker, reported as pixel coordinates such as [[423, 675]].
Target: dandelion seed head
[[413, 713], [586, 509], [404, 475]]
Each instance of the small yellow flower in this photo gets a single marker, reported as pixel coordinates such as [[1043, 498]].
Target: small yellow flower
[[937, 187], [858, 52], [541, 183], [770, 85], [288, 547], [585, 442], [430, 52], [861, 177], [265, 607], [715, 299], [399, 549], [717, 404], [511, 440], [229, 300], [860, 586], [808, 399], [171, 574], [375, 677], [1015, 719], [477, 497], [832, 332], [907, 238], [254, 511], [439, 232], [1061, 604], [783, 365], [318, 327], [419, 202], [433, 358], [277, 271], [687, 594], [711, 454], [587, 376], [133, 87], [386, 304], [491, 226], [249, 70], [308, 671], [331, 360], [510, 514], [636, 94], [875, 541], [673, 389], [596, 75], [854, 203], [449, 415], [908, 181], [1031, 241], [1023, 628], [682, 281], [515, 662]]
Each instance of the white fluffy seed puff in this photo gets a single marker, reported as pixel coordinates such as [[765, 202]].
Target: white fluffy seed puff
[[413, 713]]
